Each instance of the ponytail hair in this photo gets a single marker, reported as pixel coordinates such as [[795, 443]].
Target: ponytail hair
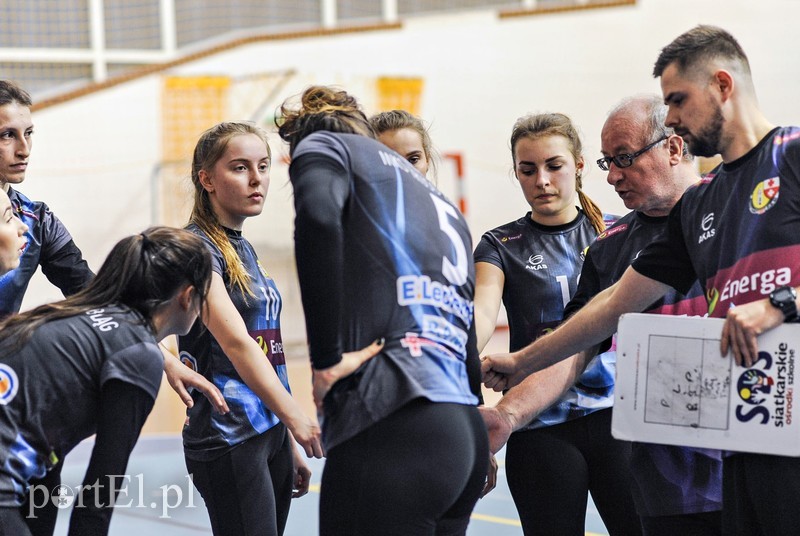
[[142, 272], [535, 126], [209, 149], [321, 108], [589, 207]]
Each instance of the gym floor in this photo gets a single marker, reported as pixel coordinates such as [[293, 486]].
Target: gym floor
[[160, 500]]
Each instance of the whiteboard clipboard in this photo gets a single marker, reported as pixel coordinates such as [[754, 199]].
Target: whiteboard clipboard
[[674, 387]]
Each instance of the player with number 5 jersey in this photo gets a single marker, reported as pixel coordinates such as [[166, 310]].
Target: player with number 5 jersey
[[381, 253]]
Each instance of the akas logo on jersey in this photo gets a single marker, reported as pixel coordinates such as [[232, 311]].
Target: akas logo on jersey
[[584, 251], [765, 195], [707, 227], [536, 262], [9, 384]]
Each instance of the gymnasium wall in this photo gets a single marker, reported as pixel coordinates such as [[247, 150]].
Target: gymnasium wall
[[97, 159]]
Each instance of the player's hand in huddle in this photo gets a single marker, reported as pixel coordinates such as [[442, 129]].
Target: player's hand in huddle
[[325, 378]]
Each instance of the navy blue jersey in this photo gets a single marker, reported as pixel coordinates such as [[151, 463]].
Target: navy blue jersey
[[667, 480], [735, 231], [49, 245], [541, 265], [207, 434], [50, 388], [612, 254], [381, 253]]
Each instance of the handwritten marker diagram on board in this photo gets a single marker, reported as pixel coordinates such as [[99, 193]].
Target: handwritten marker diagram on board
[[687, 384], [674, 388]]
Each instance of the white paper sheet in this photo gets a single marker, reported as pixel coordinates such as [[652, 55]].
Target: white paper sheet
[[674, 387]]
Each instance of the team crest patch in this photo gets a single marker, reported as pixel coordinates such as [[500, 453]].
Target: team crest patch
[[765, 195], [9, 384], [189, 361]]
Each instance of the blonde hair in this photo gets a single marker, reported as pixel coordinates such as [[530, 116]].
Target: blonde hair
[[209, 149]]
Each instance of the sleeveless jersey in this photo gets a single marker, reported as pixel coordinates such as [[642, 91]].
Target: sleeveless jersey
[[381, 253], [46, 236], [667, 480], [50, 388], [542, 265], [207, 434]]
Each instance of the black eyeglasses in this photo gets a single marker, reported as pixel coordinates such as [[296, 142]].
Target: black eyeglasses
[[626, 160]]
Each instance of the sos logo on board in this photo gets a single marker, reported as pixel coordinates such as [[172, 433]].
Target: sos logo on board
[[767, 388]]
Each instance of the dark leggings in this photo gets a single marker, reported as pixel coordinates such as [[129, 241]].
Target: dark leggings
[[42, 520], [419, 471], [760, 495], [550, 470], [12, 522], [698, 524], [248, 490]]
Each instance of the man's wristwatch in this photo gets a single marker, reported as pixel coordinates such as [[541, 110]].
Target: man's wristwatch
[[784, 299]]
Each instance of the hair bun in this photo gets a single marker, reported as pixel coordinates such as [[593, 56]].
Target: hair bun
[[322, 99]]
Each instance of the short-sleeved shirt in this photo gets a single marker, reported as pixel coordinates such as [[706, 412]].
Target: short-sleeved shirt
[[46, 236], [541, 265], [735, 231], [207, 434], [50, 388], [401, 253], [667, 480]]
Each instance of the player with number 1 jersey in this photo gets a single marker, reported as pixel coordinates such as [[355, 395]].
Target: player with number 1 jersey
[[559, 454]]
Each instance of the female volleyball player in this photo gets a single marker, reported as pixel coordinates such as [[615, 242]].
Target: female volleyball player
[[91, 365], [244, 463], [12, 235], [532, 265], [382, 254], [49, 243], [407, 135]]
